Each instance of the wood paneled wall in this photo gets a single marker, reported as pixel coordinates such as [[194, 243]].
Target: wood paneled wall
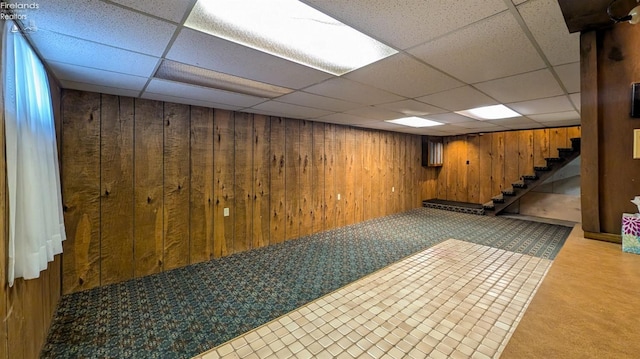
[[478, 167], [609, 64], [26, 309], [146, 183]]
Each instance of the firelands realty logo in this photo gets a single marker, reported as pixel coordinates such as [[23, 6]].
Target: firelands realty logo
[[15, 11]]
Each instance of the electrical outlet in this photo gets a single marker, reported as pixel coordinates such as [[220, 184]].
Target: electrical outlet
[[226, 212], [393, 189], [338, 196]]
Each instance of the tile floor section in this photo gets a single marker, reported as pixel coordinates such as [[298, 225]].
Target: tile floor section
[[454, 300]]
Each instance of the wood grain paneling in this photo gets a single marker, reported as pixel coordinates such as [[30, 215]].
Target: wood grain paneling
[[366, 175], [116, 204], [148, 196], [473, 168], [525, 152], [376, 176], [497, 162], [511, 158], [557, 139], [540, 147], [485, 157], [462, 192], [358, 159], [176, 185], [81, 193], [243, 182], [223, 179], [306, 178], [330, 176], [292, 178], [277, 209], [261, 171], [318, 179], [340, 169], [349, 155], [201, 185]]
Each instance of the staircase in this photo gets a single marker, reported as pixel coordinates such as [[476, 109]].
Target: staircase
[[531, 181]]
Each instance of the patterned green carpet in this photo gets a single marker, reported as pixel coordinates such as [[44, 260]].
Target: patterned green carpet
[[183, 312]]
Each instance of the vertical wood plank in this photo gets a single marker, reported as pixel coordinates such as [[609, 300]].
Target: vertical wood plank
[[540, 146], [261, 171], [176, 185], [340, 168], [223, 179], [497, 163], [148, 196], [306, 178], [452, 167], [572, 132], [358, 194], [292, 178], [557, 139], [33, 315], [376, 175], [277, 212], [443, 171], [367, 164], [473, 169], [243, 182], [389, 173], [511, 158], [319, 160], [116, 203], [418, 176], [330, 176], [484, 161], [201, 185], [402, 172], [81, 190], [462, 180], [525, 152], [348, 154], [15, 322]]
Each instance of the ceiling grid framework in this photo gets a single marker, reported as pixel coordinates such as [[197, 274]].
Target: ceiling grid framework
[[452, 55]]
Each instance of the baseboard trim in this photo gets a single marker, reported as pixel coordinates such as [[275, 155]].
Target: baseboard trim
[[606, 237]]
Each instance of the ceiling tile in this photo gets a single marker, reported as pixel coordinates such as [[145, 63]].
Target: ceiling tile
[[518, 122], [404, 76], [561, 123], [206, 51], [66, 49], [529, 86], [96, 77], [448, 118], [557, 116], [492, 48], [409, 22], [345, 119], [275, 108], [316, 101], [167, 9], [188, 101], [570, 76], [104, 23], [518, 2], [545, 105], [375, 113], [73, 85], [575, 99], [171, 88], [545, 21], [479, 124], [352, 91], [411, 108], [381, 125], [462, 98]]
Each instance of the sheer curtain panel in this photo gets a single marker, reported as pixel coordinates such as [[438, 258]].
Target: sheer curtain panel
[[36, 224]]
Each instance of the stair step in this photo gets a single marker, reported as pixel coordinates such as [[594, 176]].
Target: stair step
[[575, 143], [565, 149], [532, 177], [542, 168], [519, 185], [498, 199], [554, 159], [489, 206], [508, 192]]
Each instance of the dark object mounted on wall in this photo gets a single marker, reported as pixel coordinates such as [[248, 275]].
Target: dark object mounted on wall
[[635, 100]]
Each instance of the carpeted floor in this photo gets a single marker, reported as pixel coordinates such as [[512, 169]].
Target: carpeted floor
[[183, 312]]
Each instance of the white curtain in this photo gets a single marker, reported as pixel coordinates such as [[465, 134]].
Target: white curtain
[[36, 224]]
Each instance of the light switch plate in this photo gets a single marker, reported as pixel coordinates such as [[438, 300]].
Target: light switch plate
[[636, 144], [338, 196], [226, 212]]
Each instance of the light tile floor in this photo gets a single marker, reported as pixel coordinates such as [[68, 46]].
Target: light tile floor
[[454, 300]]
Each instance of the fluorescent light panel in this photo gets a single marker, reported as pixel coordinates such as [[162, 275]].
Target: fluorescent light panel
[[291, 30], [494, 112], [414, 122], [176, 71]]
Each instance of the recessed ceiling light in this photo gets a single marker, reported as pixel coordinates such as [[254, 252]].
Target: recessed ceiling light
[[176, 71], [494, 112], [414, 122], [291, 30]]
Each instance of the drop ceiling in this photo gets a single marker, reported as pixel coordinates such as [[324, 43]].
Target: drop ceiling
[[452, 55]]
